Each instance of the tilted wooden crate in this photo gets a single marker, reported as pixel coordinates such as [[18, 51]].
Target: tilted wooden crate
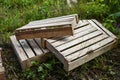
[[28, 50], [2, 70], [90, 40], [60, 26], [55, 20]]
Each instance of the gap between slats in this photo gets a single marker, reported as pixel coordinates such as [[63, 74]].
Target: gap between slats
[[38, 42], [77, 41], [66, 40], [90, 49], [52, 40], [83, 45], [34, 47], [26, 48]]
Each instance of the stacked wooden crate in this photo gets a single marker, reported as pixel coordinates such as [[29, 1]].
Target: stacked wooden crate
[[28, 42], [2, 70], [74, 42]]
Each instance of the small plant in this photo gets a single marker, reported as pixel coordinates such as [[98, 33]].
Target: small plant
[[38, 71]]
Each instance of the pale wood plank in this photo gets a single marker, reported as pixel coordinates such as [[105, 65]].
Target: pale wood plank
[[103, 28], [90, 49], [80, 34], [82, 29], [45, 26], [19, 51], [27, 48], [80, 21], [61, 18], [50, 21], [93, 24], [81, 24], [35, 47], [91, 56], [78, 40], [83, 45]]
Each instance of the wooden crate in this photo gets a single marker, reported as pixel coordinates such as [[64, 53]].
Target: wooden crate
[[90, 40], [28, 50], [2, 70], [47, 28]]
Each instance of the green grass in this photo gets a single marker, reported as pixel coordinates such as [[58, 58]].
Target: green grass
[[16, 13]]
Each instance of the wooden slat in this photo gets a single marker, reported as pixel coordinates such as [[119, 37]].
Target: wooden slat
[[1, 64], [51, 40], [52, 19], [78, 40], [52, 29], [103, 28], [19, 51], [27, 48], [83, 45], [93, 24], [0, 57], [91, 56], [35, 47], [90, 49], [38, 41], [46, 33], [74, 52], [46, 26], [82, 33], [81, 24], [82, 29]]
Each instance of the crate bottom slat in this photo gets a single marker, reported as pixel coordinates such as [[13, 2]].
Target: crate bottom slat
[[27, 51]]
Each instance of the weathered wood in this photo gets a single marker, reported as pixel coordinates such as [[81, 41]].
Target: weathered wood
[[78, 40], [46, 26], [27, 51], [90, 49], [103, 28], [19, 51], [27, 48], [35, 47], [2, 69], [88, 57], [45, 30], [55, 19], [47, 33], [43, 43], [83, 45], [93, 24], [78, 29], [56, 53], [38, 41], [87, 43], [78, 35]]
